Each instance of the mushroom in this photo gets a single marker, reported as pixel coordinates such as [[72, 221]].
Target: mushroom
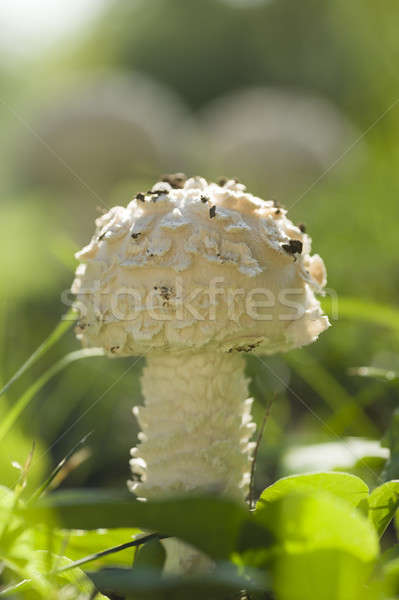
[[194, 285]]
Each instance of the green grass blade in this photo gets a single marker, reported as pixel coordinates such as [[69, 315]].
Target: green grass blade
[[374, 372], [329, 389], [135, 543], [15, 410], [360, 310], [346, 415], [43, 487], [54, 336]]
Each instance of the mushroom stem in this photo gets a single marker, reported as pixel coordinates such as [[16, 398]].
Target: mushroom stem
[[196, 425]]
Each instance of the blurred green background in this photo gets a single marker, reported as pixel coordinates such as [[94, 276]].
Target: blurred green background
[[298, 100]]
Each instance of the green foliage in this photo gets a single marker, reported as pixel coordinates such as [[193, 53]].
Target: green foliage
[[383, 504], [13, 549], [312, 536], [14, 411], [147, 584], [347, 487], [24, 269], [151, 555], [44, 347], [371, 312], [324, 548], [79, 543], [391, 441], [214, 525]]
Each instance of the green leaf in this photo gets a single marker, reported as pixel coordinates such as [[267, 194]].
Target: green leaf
[[368, 468], [390, 572], [383, 503], [147, 584], [73, 584], [397, 529], [325, 549], [213, 525], [84, 509], [76, 544], [314, 520], [151, 555], [323, 574], [343, 485]]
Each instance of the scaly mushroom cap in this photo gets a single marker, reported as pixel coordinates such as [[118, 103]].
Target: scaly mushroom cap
[[198, 265]]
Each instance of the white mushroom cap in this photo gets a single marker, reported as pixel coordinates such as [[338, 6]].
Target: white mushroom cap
[[198, 265]]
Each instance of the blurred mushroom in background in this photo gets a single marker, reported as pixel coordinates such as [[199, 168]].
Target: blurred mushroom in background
[[281, 140], [104, 129]]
